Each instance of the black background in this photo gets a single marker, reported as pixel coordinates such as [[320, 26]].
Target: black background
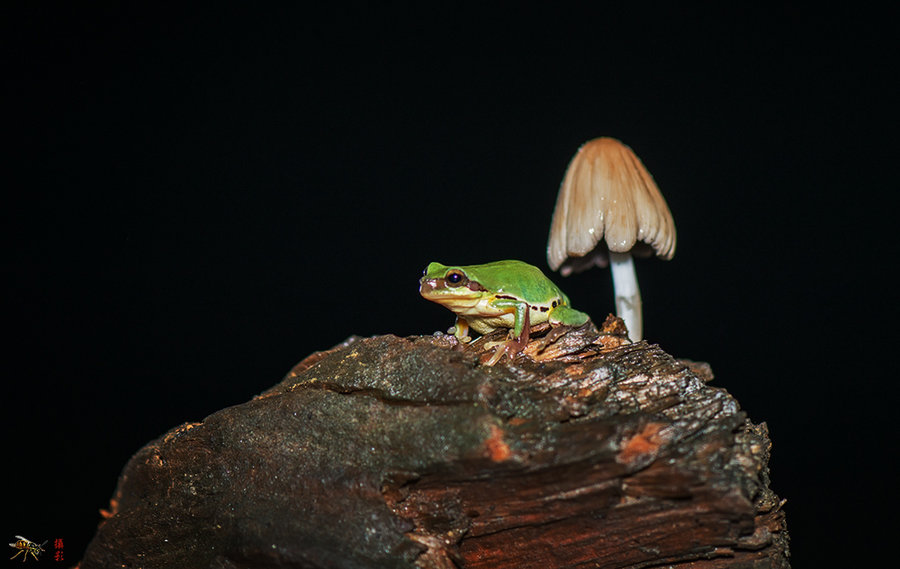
[[197, 200]]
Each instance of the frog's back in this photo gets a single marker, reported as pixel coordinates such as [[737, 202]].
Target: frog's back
[[515, 277]]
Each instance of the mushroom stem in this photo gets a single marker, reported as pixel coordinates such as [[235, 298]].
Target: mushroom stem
[[628, 295]]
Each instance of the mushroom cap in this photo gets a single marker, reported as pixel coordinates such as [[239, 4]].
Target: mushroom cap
[[608, 193]]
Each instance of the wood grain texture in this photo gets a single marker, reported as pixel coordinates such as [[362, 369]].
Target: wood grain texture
[[586, 451]]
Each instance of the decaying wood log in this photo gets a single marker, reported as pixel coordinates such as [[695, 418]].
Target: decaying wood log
[[585, 451]]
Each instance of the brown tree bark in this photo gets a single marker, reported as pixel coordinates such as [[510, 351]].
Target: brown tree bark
[[584, 451]]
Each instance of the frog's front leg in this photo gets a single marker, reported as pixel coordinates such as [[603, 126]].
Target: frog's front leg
[[461, 330], [520, 331]]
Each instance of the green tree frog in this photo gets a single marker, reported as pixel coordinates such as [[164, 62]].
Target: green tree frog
[[503, 294]]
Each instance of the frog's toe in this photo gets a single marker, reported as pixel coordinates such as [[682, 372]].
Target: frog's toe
[[554, 334], [509, 347], [498, 353]]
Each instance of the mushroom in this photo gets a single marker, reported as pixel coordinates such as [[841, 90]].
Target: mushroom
[[607, 192]]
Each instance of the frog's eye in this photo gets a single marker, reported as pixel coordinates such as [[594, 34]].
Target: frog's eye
[[455, 278]]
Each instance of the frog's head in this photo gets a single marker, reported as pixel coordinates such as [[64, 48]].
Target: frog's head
[[450, 286]]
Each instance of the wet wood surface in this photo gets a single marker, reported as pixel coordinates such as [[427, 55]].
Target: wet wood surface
[[583, 451]]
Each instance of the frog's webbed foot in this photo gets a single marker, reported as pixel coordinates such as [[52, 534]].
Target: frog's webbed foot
[[554, 334], [510, 347], [513, 345]]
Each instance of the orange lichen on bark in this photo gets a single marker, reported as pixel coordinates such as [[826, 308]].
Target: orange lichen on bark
[[113, 508], [647, 441], [496, 447]]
